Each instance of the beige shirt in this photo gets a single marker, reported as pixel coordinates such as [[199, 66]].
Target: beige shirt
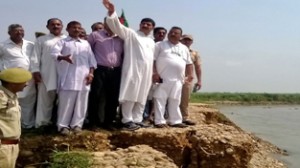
[[195, 57], [10, 115]]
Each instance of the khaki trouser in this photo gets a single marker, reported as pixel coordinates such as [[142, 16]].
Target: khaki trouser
[[185, 98], [8, 155]]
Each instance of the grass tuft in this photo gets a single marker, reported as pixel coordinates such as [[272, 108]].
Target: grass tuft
[[70, 160]]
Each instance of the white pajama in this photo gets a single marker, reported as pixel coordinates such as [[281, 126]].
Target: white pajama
[[132, 111], [44, 105], [72, 108], [168, 92], [27, 104]]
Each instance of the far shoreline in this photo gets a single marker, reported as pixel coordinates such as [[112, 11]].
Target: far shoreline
[[246, 98]]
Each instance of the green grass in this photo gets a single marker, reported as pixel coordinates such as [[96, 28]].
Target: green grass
[[70, 160], [255, 98]]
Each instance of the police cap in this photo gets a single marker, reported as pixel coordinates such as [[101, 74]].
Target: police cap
[[15, 75]]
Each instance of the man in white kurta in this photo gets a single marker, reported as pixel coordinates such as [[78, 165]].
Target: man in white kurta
[[137, 67], [44, 71], [16, 52], [75, 66], [171, 60]]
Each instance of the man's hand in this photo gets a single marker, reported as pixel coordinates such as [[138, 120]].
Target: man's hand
[[198, 85], [65, 58], [37, 77], [155, 78], [89, 79], [109, 6], [189, 78]]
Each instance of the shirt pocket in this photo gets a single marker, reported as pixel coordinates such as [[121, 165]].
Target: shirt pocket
[[11, 111]]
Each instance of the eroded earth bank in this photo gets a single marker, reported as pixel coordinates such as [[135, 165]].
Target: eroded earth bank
[[215, 142]]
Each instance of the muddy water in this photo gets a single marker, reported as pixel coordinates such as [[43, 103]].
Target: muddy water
[[278, 124]]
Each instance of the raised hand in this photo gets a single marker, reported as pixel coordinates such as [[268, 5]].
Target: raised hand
[[109, 6]]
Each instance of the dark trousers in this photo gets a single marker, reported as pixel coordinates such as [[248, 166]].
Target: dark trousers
[[104, 95]]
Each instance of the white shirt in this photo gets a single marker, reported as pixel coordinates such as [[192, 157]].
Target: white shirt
[[73, 76], [171, 61], [137, 65], [41, 60], [13, 55]]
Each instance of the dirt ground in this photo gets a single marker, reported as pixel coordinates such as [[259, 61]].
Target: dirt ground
[[215, 142]]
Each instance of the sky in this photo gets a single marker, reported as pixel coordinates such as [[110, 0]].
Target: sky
[[245, 45]]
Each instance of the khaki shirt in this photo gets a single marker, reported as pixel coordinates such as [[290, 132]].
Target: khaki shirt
[[10, 115], [195, 57]]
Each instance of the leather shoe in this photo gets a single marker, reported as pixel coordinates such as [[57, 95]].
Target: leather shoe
[[180, 125], [188, 122]]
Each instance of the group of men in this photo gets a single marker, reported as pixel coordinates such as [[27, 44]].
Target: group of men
[[90, 76], [166, 64]]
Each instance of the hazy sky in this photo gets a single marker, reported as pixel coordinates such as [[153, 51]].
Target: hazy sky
[[245, 45]]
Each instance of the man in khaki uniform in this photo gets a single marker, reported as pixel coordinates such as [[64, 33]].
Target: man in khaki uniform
[[13, 80], [188, 86]]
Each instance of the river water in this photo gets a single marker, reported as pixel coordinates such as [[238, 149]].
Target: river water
[[278, 124]]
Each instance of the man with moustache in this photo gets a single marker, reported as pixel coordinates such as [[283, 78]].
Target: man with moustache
[[103, 98], [136, 78], [187, 40], [97, 26], [15, 53], [159, 34], [13, 80], [75, 64], [44, 71], [172, 63]]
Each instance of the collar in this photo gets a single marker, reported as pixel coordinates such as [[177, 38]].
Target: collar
[[171, 44], [52, 35], [8, 92], [9, 41], [106, 34], [69, 38], [143, 34]]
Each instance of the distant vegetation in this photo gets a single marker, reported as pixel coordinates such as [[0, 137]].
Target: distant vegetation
[[246, 98]]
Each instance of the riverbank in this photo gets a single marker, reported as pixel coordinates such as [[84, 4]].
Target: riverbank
[[214, 142], [245, 98], [278, 124]]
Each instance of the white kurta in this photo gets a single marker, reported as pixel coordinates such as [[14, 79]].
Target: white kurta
[[137, 67], [41, 60], [12, 55], [73, 76]]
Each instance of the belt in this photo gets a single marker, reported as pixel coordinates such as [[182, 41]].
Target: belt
[[107, 68], [9, 141]]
